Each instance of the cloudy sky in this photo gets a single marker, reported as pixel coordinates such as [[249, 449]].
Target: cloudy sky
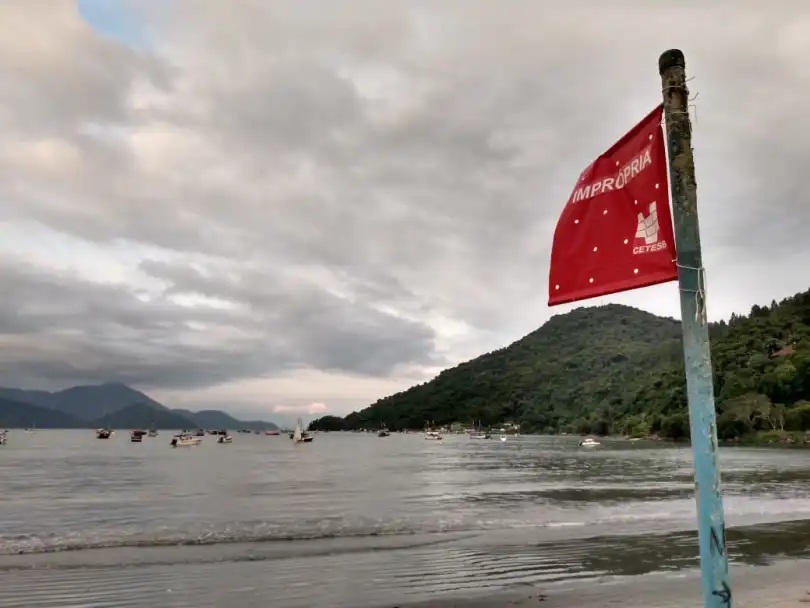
[[279, 206]]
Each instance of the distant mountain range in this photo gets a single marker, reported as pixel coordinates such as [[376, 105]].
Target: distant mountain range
[[111, 405]]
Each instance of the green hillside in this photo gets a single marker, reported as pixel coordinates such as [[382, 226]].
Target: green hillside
[[616, 369]]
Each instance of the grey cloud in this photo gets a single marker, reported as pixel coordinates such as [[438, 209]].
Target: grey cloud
[[62, 328], [311, 326], [57, 74]]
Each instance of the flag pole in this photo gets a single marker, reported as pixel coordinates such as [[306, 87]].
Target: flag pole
[[696, 348]]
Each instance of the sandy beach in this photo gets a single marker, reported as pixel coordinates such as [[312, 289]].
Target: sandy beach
[[784, 584]]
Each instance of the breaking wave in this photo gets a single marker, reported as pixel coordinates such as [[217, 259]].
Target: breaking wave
[[240, 532]]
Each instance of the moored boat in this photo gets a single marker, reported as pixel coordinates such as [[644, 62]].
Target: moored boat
[[185, 440], [480, 433], [104, 433], [300, 435]]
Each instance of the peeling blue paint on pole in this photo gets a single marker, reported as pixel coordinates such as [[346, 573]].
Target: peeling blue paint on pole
[[696, 348]]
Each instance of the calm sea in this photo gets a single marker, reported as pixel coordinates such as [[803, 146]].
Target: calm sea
[[360, 521]]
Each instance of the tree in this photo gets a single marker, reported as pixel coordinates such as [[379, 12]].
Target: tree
[[327, 423], [777, 416], [675, 426], [748, 409], [797, 418]]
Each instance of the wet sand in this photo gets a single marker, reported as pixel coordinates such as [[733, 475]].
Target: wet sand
[[784, 584]]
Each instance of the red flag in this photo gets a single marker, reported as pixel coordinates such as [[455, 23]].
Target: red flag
[[615, 232]]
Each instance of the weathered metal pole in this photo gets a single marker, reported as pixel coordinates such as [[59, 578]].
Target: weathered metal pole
[[696, 349]]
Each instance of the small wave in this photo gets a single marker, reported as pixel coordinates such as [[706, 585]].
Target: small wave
[[256, 532], [673, 516], [242, 532]]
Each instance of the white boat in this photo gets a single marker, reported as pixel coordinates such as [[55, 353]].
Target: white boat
[[479, 433], [3, 437], [300, 435], [104, 433], [502, 437], [137, 436], [185, 440], [152, 433], [225, 439], [589, 442], [433, 435]]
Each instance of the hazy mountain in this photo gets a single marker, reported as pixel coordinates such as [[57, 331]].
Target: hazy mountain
[[144, 416], [86, 405], [258, 425], [214, 419], [39, 398], [14, 414], [95, 401]]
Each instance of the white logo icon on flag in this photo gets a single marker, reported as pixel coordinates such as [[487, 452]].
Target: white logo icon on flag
[[647, 228]]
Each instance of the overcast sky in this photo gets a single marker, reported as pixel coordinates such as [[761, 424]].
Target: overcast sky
[[282, 206]]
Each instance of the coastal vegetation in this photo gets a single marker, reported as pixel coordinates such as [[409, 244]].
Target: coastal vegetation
[[618, 370]]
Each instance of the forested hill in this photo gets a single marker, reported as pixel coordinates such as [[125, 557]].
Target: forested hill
[[616, 369]]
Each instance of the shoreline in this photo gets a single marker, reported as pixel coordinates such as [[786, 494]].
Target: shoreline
[[783, 584], [761, 439]]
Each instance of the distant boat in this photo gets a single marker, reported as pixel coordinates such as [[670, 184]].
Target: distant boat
[[225, 439], [185, 440], [589, 443], [136, 436], [502, 437], [152, 433], [433, 436], [3, 437], [383, 432], [104, 433], [300, 435], [479, 433], [272, 432]]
